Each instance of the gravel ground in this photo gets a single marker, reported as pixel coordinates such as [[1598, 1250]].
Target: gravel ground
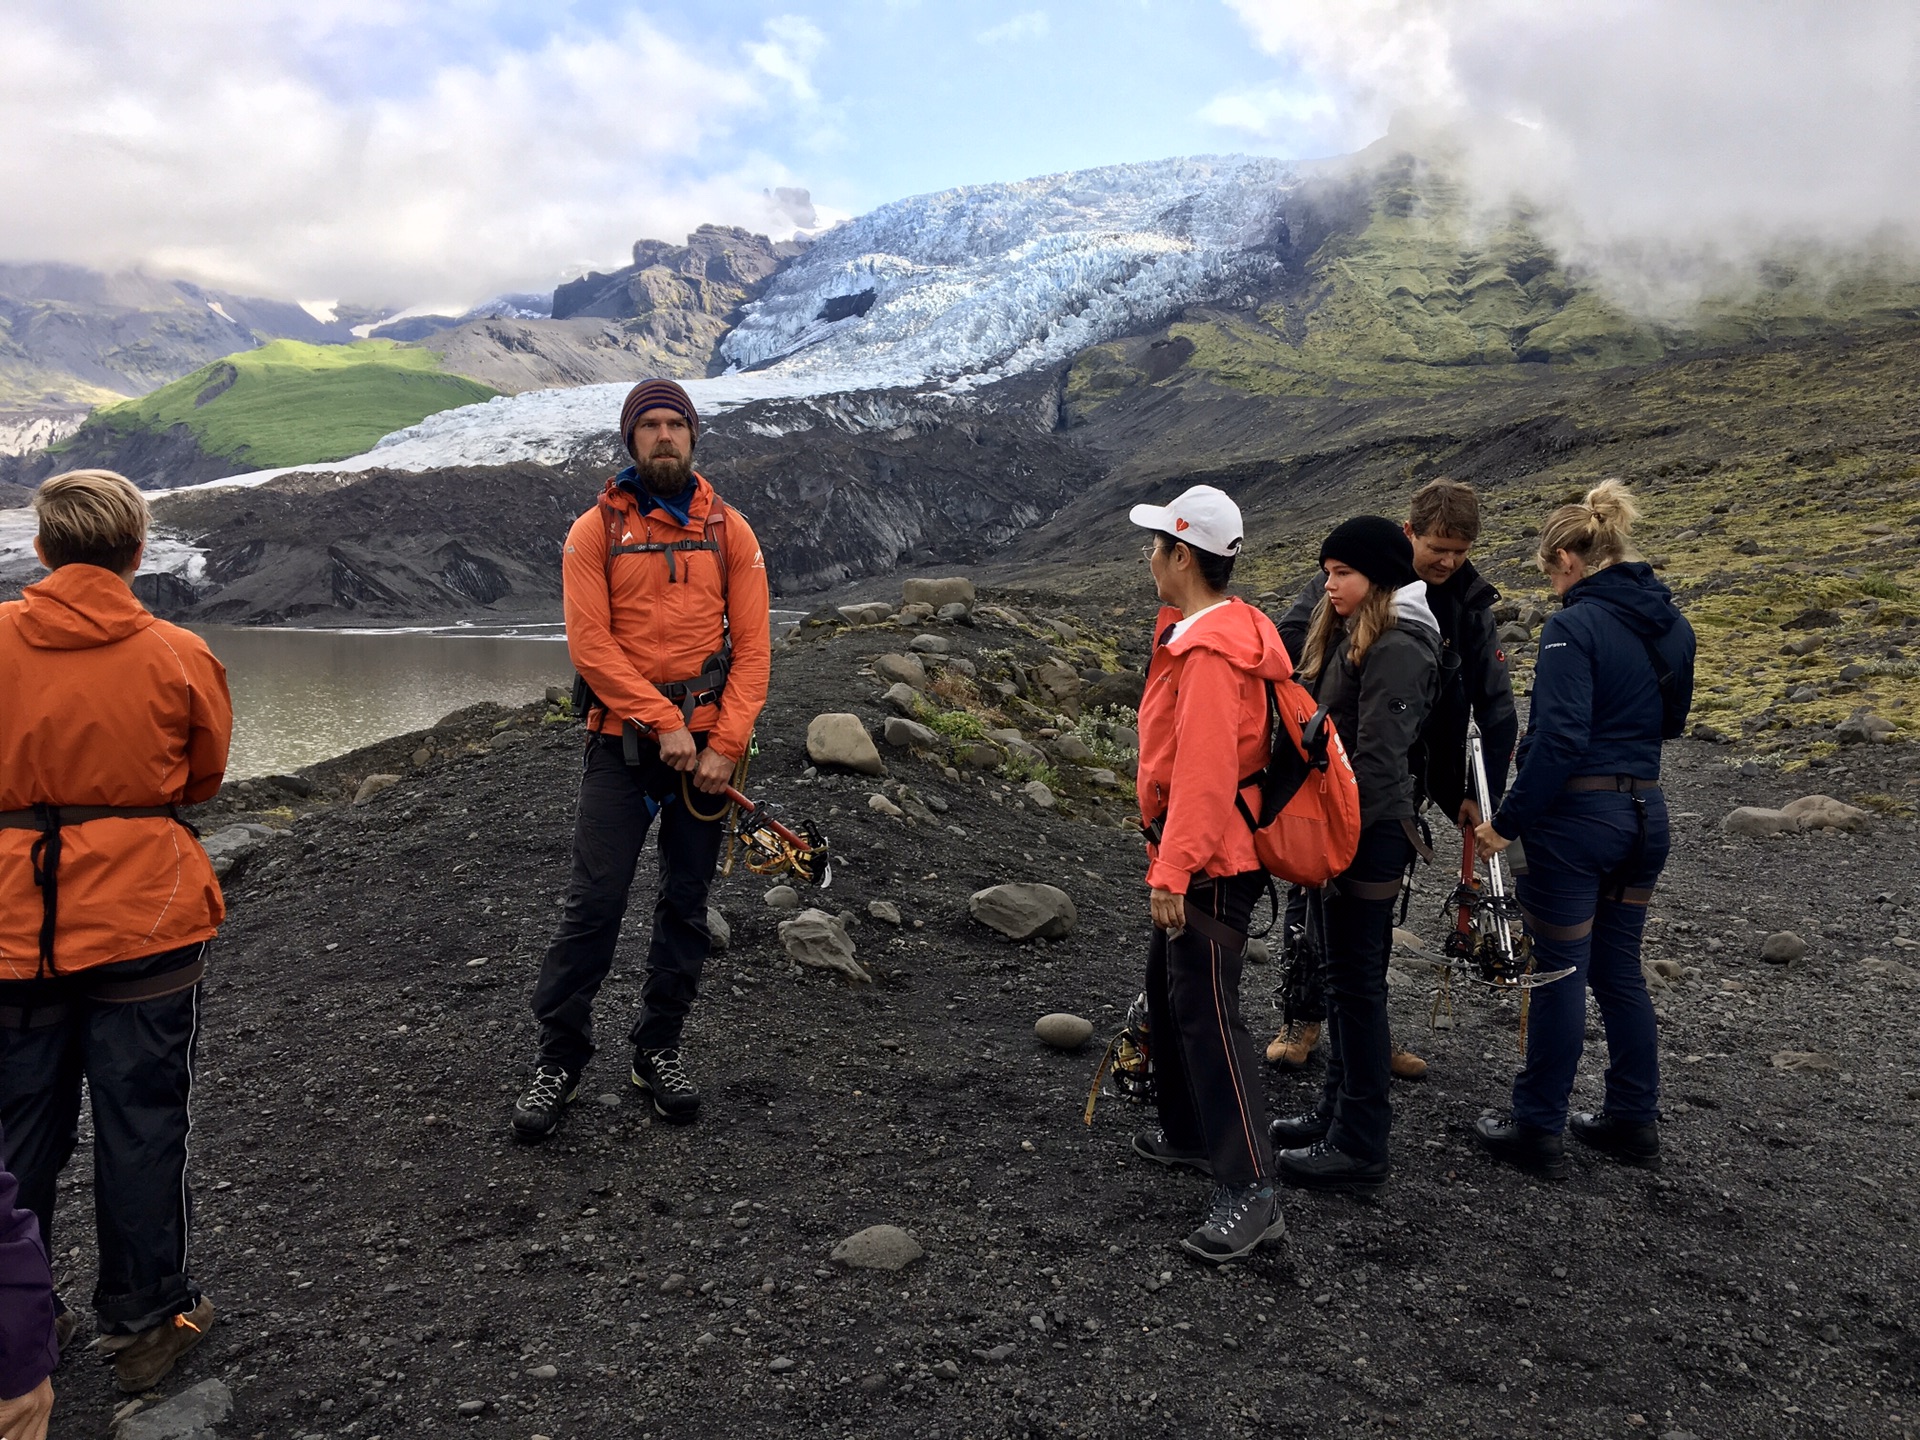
[[388, 1262]]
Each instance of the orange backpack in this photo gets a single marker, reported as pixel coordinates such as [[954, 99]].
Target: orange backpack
[[1308, 827]]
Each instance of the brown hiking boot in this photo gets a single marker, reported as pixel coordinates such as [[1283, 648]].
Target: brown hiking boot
[[1406, 1065], [63, 1325], [1291, 1047], [146, 1359]]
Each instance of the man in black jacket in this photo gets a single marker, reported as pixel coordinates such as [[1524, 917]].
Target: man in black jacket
[[1443, 523]]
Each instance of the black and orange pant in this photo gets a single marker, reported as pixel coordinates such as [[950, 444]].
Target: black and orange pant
[[1206, 1072]]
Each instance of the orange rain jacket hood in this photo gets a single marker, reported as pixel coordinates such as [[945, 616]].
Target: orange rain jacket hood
[[663, 623], [102, 704], [1203, 729]]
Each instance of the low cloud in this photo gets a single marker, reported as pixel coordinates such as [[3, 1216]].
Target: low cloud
[[238, 141], [1666, 138]]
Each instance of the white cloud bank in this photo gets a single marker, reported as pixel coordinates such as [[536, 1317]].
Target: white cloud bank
[[208, 138], [1652, 128]]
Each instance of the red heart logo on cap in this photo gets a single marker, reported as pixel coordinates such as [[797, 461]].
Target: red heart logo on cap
[[1179, 524]]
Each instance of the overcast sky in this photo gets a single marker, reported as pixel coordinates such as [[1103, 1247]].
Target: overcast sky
[[410, 151]]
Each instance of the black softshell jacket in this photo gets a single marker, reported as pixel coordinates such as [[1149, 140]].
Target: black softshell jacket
[[1380, 706]]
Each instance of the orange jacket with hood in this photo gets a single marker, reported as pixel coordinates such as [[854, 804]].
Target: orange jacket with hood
[[102, 704], [660, 624], [1203, 727]]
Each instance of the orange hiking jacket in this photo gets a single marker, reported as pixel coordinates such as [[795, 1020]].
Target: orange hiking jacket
[[1203, 727], [659, 629], [102, 704]]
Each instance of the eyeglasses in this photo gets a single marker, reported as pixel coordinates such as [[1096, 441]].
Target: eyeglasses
[[1146, 550]]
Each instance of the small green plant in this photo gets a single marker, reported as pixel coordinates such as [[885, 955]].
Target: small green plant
[[1021, 769], [1880, 586], [957, 725]]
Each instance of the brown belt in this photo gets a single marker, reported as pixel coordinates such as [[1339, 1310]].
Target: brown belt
[[50, 820], [58, 1006], [1624, 784]]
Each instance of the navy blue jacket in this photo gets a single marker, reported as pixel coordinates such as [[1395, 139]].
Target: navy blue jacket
[[1596, 699], [28, 1353]]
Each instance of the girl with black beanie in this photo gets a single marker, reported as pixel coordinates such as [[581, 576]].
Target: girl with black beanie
[[1372, 657]]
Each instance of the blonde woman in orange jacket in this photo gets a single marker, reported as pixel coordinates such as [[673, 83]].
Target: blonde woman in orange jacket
[[1203, 727], [112, 720]]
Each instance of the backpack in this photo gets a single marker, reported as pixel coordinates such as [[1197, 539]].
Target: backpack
[[713, 675], [1308, 827]]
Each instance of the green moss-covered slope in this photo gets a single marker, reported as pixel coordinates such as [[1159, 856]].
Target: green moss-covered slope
[[1400, 287], [290, 403]]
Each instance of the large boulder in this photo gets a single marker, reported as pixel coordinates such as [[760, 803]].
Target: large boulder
[[870, 612], [1823, 812], [1756, 822], [901, 670], [904, 734], [878, 1247], [841, 740], [1863, 727], [955, 589], [1025, 910], [907, 700], [1058, 679], [818, 940]]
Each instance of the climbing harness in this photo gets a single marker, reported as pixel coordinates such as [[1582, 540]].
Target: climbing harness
[[1126, 1066]]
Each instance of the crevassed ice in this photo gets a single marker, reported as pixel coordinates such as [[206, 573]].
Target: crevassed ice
[[968, 285]]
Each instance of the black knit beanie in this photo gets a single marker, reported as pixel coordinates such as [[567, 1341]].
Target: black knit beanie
[[1376, 547]]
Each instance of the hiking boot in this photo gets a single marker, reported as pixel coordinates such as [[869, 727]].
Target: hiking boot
[[1526, 1147], [1629, 1144], [63, 1328], [538, 1114], [146, 1359], [1406, 1065], [1325, 1166], [1243, 1218], [1292, 1046], [1152, 1145], [1294, 1131], [660, 1073]]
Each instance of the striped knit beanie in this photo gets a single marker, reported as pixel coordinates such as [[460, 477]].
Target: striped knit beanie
[[655, 395]]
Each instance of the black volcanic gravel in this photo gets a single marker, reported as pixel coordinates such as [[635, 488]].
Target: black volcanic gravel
[[381, 1251]]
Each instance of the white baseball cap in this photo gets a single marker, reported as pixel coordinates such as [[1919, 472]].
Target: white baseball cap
[[1203, 517]]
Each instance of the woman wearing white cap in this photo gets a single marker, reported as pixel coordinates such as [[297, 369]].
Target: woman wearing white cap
[[1203, 725]]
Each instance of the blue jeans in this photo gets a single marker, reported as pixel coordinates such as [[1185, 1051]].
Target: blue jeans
[[1567, 895]]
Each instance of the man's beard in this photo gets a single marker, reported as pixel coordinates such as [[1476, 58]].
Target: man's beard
[[665, 475]]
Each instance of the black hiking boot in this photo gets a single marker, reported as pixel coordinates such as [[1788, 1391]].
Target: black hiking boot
[[1293, 1131], [1152, 1145], [1325, 1166], [1629, 1144], [1525, 1147], [1243, 1218], [660, 1073], [538, 1114]]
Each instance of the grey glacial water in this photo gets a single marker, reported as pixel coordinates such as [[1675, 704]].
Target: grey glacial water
[[303, 695]]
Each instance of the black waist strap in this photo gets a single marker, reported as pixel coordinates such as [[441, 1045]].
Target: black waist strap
[[1624, 784], [49, 820], [1230, 940]]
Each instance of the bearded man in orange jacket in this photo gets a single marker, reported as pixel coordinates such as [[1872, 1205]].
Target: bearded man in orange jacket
[[668, 624], [111, 721]]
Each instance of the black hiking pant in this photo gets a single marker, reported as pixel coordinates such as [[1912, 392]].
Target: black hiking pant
[[136, 1057], [1358, 913], [1206, 1073], [618, 805]]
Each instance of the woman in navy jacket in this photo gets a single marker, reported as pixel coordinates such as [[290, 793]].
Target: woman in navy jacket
[[1615, 676]]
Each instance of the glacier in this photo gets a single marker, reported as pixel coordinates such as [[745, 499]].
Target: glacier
[[985, 281], [945, 291]]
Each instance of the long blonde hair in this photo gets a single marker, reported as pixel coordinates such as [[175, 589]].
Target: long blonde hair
[[1596, 529], [1373, 616]]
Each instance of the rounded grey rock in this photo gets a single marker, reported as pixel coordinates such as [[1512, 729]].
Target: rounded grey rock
[[1063, 1031]]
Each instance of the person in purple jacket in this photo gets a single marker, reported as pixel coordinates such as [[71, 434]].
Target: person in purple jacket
[[28, 1350]]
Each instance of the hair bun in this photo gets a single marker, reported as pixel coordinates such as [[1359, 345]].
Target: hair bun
[[1613, 506]]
